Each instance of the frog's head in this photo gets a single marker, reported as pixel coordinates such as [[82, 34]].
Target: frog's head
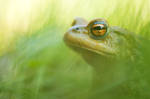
[[96, 39]]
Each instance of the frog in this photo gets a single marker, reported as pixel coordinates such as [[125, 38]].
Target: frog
[[110, 51]]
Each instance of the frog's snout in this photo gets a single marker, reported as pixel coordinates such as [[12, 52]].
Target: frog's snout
[[78, 29], [75, 32]]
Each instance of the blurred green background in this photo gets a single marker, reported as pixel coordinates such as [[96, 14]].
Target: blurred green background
[[34, 61]]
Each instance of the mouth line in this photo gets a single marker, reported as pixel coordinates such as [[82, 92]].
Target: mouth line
[[79, 47]]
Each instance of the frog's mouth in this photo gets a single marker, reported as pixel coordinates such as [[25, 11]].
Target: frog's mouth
[[83, 43]]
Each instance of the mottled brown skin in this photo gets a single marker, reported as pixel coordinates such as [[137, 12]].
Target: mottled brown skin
[[104, 55]]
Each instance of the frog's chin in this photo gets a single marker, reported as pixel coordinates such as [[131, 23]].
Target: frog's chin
[[93, 58]]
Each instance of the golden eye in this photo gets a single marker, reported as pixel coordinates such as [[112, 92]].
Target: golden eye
[[99, 29]]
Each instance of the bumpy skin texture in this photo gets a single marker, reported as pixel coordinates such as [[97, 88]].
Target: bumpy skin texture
[[116, 59]]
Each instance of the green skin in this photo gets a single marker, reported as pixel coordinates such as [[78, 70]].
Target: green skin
[[110, 57]]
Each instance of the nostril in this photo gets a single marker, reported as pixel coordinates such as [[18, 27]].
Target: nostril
[[77, 28]]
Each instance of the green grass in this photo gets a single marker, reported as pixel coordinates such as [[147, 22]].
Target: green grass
[[38, 65]]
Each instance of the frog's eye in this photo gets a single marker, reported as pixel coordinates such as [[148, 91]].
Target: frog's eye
[[99, 30]]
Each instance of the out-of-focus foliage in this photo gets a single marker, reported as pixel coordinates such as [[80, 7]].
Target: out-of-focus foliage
[[35, 63]]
